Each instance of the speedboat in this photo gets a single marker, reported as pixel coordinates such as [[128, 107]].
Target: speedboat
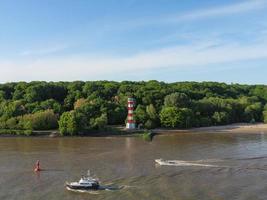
[[182, 163], [165, 162], [85, 183]]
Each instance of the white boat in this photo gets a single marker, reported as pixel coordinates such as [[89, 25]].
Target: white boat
[[181, 163], [85, 183]]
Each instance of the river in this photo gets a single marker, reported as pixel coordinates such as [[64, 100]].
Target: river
[[127, 170]]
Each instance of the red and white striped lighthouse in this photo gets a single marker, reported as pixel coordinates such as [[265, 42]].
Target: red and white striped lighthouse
[[130, 118]]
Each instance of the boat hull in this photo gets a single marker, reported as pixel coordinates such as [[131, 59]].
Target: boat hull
[[78, 187]]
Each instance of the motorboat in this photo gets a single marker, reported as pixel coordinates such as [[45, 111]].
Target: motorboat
[[182, 163], [165, 162], [85, 183]]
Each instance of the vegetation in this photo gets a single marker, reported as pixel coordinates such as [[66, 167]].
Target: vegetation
[[148, 136], [79, 107]]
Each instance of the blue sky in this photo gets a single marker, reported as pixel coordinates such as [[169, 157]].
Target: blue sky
[[185, 40]]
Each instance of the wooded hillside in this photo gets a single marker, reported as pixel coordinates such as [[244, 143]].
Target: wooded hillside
[[80, 106]]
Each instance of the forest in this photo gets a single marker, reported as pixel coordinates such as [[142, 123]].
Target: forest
[[79, 107]]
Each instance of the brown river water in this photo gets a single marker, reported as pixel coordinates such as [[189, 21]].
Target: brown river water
[[127, 170]]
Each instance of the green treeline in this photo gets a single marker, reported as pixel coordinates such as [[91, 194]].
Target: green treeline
[[77, 107]]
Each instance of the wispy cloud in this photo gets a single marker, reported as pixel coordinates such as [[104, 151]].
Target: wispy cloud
[[224, 10], [86, 67], [43, 51]]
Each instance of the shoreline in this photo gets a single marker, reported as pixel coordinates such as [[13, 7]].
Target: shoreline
[[119, 131], [256, 128]]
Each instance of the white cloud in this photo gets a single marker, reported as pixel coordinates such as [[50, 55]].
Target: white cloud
[[43, 51], [84, 67], [225, 10]]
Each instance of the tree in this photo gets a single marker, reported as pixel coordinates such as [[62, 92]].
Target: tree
[[153, 118], [265, 114], [99, 122], [254, 112], [140, 114], [42, 120], [173, 117], [205, 121], [51, 104], [68, 124], [12, 123], [170, 117], [151, 112], [80, 102], [176, 100], [150, 124], [220, 118], [10, 109], [187, 117], [24, 105], [116, 114]]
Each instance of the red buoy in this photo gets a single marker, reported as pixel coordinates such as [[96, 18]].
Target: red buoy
[[37, 166]]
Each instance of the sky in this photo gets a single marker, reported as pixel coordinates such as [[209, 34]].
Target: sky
[[165, 40]]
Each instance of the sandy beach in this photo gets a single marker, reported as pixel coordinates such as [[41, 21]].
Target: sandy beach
[[232, 128]]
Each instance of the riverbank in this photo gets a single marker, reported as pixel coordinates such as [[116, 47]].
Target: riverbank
[[231, 128], [120, 131]]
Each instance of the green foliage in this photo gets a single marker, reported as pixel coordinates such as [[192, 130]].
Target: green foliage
[[264, 113], [68, 123], [260, 91], [42, 120], [176, 118], [170, 117], [10, 109], [150, 124], [84, 106], [151, 112], [140, 114], [205, 121], [148, 136], [220, 118], [11, 123], [99, 122], [51, 104], [116, 114], [176, 100], [16, 132], [253, 112]]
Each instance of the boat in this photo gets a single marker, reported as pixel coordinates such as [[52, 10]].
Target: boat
[[165, 162], [85, 183], [182, 163]]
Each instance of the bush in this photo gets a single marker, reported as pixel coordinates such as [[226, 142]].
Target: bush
[[172, 117], [148, 136], [264, 113], [220, 118], [16, 132], [42, 120], [265, 116], [12, 123], [99, 122], [169, 117], [205, 121], [150, 124], [68, 123]]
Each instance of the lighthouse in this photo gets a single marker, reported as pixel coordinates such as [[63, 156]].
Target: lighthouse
[[130, 117]]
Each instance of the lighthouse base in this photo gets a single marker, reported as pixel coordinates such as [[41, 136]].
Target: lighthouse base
[[130, 126]]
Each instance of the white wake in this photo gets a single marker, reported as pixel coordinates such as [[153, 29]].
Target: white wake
[[183, 163]]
